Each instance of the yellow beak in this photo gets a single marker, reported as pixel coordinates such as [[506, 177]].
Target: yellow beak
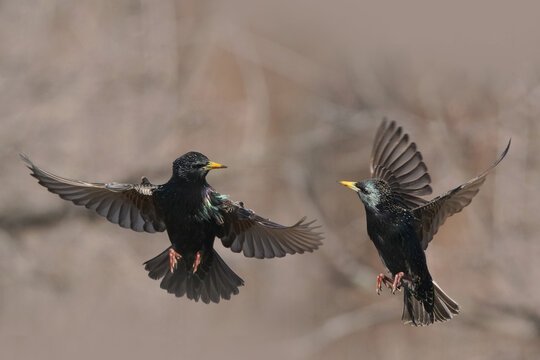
[[212, 165], [350, 184]]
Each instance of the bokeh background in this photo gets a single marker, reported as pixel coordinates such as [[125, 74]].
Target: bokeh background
[[288, 94]]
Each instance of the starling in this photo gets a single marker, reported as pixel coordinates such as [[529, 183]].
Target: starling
[[401, 224], [193, 214]]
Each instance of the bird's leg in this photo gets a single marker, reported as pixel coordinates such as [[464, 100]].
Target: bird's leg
[[381, 278], [397, 281], [196, 263], [173, 259]]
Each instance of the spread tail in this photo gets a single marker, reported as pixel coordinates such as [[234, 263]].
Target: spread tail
[[415, 313], [213, 281]]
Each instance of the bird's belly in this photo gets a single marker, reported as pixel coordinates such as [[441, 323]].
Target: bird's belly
[[190, 220], [393, 254], [393, 262], [190, 236]]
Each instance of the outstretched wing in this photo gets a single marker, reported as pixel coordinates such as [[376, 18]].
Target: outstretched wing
[[400, 164], [128, 205], [433, 214], [261, 238]]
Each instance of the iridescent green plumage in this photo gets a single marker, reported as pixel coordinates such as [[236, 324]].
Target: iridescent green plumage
[[209, 209]]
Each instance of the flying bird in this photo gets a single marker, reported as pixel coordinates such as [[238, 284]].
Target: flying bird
[[193, 214], [401, 224]]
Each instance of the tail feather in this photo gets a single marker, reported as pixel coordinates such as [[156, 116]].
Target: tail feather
[[415, 313], [158, 266], [213, 281]]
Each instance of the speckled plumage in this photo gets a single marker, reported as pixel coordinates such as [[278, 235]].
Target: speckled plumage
[[401, 224]]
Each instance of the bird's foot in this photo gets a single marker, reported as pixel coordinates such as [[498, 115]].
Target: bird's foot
[[173, 259], [397, 281], [197, 262], [396, 285], [383, 279]]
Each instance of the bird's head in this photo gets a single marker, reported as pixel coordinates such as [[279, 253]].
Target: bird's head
[[374, 193], [193, 167]]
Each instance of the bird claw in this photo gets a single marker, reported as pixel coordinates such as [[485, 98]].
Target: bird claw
[[173, 259], [396, 285], [197, 262], [382, 279], [393, 285]]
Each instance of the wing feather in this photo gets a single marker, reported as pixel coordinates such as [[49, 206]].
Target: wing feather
[[398, 162], [129, 205], [432, 215], [244, 231]]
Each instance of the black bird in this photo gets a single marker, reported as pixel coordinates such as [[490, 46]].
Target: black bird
[[401, 224], [193, 214]]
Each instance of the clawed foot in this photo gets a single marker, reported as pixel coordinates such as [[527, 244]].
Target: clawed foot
[[197, 262], [381, 278], [397, 282], [394, 285], [173, 259]]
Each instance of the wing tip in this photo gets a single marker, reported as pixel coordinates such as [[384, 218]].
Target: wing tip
[[499, 159], [505, 149], [27, 161], [307, 226], [503, 154]]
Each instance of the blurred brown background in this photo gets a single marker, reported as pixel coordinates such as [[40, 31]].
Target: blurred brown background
[[288, 94]]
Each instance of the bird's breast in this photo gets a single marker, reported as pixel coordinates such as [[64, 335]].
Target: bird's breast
[[191, 216]]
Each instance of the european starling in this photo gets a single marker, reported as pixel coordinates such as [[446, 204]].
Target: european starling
[[401, 224], [193, 214]]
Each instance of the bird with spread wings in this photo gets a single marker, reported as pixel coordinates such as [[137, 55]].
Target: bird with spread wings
[[193, 214]]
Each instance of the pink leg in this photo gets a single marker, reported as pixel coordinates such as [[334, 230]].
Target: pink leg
[[197, 262], [397, 281], [381, 278], [173, 259]]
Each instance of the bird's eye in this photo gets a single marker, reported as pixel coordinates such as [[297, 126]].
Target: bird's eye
[[197, 166], [363, 190]]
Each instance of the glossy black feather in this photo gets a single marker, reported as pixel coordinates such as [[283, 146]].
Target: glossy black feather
[[193, 214], [401, 224]]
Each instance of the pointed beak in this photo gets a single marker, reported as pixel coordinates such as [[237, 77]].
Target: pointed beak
[[350, 184], [212, 165]]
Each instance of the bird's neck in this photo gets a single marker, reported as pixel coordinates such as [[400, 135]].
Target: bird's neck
[[375, 216], [187, 181], [381, 209], [190, 193], [386, 217]]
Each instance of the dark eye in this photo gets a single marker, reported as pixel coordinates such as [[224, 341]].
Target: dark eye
[[363, 190], [197, 166]]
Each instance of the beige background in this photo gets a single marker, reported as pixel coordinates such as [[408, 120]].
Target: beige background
[[288, 94]]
